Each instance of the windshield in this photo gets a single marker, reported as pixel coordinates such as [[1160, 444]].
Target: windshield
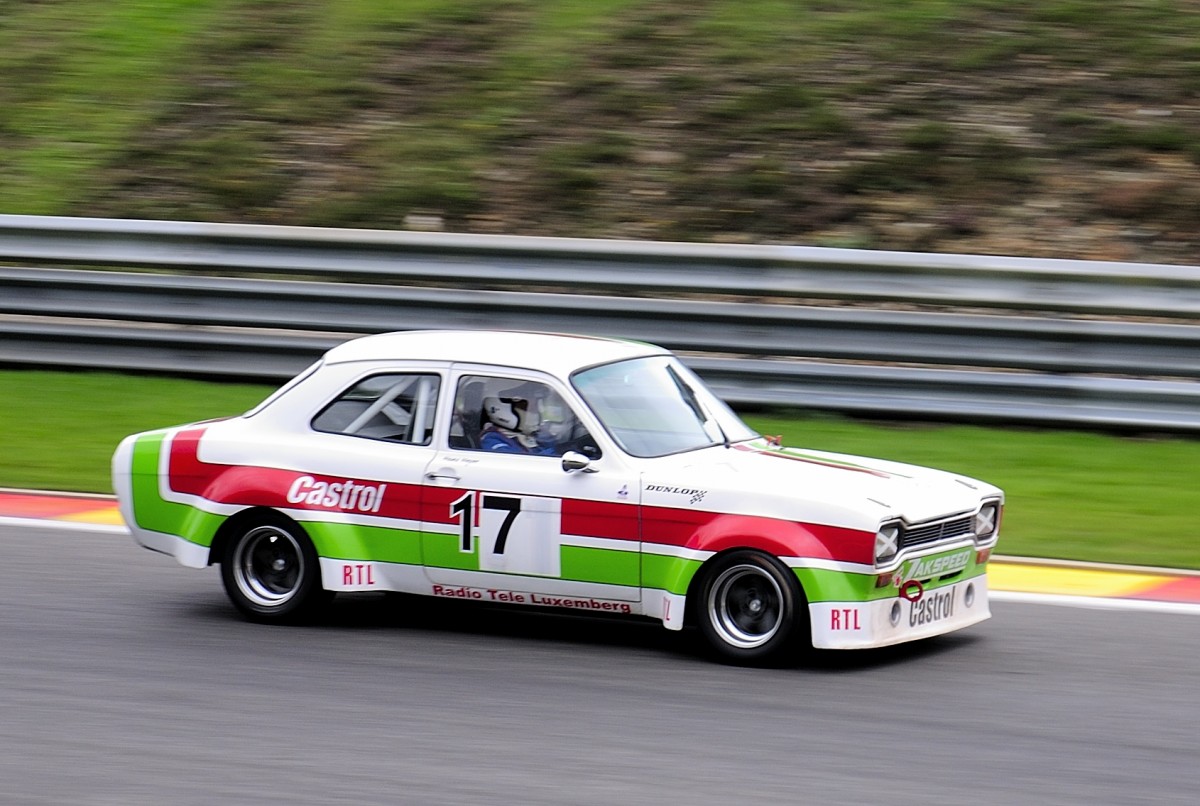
[[657, 406]]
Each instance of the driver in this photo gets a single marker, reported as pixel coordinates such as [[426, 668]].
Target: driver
[[513, 423]]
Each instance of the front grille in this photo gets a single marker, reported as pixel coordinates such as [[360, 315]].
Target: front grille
[[922, 534]]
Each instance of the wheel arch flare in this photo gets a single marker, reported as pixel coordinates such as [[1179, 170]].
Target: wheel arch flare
[[679, 571]]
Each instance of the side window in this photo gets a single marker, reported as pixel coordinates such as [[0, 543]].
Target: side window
[[509, 415], [397, 408]]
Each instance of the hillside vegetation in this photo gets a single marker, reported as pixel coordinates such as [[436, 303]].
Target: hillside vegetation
[[1063, 128]]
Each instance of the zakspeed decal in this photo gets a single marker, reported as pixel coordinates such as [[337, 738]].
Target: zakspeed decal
[[926, 567]]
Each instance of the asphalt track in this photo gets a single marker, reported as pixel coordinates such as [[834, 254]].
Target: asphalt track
[[129, 680]]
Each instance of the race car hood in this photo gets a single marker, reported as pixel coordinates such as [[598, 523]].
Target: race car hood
[[851, 491]]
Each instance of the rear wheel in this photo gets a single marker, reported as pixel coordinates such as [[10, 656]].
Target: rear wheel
[[752, 610], [271, 571]]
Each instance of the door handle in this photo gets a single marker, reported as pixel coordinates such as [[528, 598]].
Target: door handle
[[445, 473]]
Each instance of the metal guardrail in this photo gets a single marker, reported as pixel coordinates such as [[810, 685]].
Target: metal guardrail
[[701, 326], [867, 332], [643, 267]]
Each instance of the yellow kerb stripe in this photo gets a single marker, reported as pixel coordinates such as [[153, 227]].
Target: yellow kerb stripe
[[1067, 581], [109, 516]]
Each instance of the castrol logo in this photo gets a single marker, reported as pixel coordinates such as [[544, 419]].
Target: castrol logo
[[347, 496]]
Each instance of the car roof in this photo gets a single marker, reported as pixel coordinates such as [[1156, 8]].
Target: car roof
[[557, 353]]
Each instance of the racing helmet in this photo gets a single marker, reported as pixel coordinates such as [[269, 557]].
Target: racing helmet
[[500, 412], [525, 401]]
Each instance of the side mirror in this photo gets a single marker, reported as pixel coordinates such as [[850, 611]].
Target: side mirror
[[574, 460]]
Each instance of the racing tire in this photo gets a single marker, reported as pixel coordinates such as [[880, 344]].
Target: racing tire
[[752, 611], [271, 571]]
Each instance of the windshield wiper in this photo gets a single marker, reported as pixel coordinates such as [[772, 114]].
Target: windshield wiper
[[693, 402]]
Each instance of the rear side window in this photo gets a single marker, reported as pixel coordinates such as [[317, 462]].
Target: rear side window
[[393, 407]]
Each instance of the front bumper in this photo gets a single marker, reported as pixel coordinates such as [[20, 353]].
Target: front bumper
[[894, 620]]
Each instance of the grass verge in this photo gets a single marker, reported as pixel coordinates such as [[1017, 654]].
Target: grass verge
[[58, 430], [1071, 495]]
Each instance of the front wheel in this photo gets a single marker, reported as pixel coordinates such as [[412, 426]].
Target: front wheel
[[271, 571], [752, 610]]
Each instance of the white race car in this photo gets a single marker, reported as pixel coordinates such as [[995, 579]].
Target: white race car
[[561, 471]]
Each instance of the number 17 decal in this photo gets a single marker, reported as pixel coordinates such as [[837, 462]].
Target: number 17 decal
[[464, 508], [529, 544]]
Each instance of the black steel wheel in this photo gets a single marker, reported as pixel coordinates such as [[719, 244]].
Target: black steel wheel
[[752, 610], [271, 571]]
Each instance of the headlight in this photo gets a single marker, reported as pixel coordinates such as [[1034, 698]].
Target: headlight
[[985, 522], [887, 543]]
